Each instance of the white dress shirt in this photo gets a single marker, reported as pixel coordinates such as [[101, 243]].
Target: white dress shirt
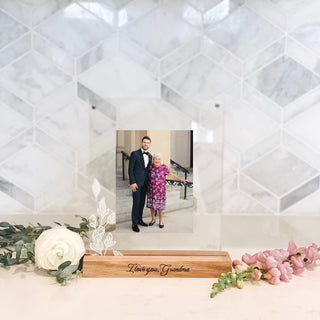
[[145, 158]]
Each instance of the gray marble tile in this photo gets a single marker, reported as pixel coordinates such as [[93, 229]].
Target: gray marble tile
[[54, 53], [11, 124], [9, 205], [168, 32], [76, 23], [76, 124], [199, 80], [15, 50], [261, 148], [299, 147], [29, 170], [105, 50], [32, 77], [299, 194], [13, 191], [256, 99], [10, 29], [280, 163], [94, 100], [16, 103], [262, 195], [284, 80], [242, 39]]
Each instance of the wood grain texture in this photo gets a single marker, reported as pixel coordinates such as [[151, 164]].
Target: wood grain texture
[[157, 264]]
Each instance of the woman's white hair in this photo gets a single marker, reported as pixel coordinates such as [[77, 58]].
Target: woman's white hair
[[158, 155]]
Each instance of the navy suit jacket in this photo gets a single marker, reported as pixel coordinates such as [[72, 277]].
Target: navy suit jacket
[[137, 172]]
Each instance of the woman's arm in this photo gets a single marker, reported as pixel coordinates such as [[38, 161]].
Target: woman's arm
[[173, 176]]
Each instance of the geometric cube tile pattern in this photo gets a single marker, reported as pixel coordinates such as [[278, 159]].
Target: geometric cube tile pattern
[[149, 64]]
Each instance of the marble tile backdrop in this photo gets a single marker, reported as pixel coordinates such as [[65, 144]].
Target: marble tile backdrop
[[156, 64]]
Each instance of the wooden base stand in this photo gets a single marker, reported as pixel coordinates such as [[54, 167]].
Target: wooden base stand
[[157, 264]]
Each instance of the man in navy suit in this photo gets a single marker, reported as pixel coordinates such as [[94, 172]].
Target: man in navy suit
[[139, 164]]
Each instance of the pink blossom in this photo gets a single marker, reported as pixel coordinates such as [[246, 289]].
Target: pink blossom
[[257, 274], [313, 254], [273, 276], [297, 270], [262, 257], [239, 265], [286, 271], [298, 262], [271, 262], [249, 259], [292, 248]]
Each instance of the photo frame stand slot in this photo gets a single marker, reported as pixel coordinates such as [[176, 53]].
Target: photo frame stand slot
[[158, 264]]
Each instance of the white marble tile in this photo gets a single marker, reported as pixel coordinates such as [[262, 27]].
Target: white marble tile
[[292, 5], [300, 148], [15, 50], [221, 56], [54, 101], [99, 103], [29, 170], [103, 169], [10, 29], [117, 4], [257, 192], [303, 55], [32, 77], [168, 32], [16, 103], [19, 10], [262, 147], [204, 5], [11, 124], [244, 126], [14, 192], [76, 124], [241, 38], [101, 10], [284, 80], [219, 12], [229, 96], [306, 127], [301, 104], [270, 11], [262, 103], [76, 23], [264, 57], [280, 163], [106, 50], [300, 193], [55, 147], [179, 56], [134, 10], [139, 55], [44, 10], [140, 113], [120, 77], [54, 53], [199, 80], [97, 147], [25, 139]]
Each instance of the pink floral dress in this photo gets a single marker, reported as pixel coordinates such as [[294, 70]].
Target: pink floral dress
[[157, 187]]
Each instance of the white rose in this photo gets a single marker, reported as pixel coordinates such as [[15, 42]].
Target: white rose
[[57, 245]]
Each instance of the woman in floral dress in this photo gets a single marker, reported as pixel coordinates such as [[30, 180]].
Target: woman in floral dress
[[156, 199]]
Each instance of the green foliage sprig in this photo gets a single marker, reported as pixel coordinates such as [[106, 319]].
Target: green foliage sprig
[[17, 243]]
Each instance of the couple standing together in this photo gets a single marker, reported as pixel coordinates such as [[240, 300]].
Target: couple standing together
[[147, 176]]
